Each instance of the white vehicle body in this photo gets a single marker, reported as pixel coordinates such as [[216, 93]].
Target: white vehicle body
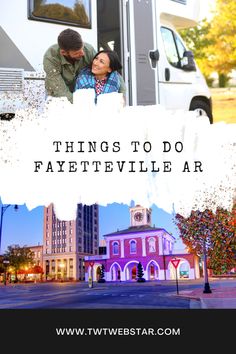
[[143, 32]]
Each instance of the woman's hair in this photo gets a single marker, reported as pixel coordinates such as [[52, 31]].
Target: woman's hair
[[115, 63]]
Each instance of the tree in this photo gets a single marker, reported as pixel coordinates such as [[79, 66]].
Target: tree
[[80, 11], [1, 265], [63, 13], [38, 3], [222, 51], [102, 274], [197, 40], [210, 233], [18, 257], [140, 273], [213, 42]]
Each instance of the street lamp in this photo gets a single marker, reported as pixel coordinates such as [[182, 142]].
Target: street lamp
[[164, 258], [207, 289], [3, 209]]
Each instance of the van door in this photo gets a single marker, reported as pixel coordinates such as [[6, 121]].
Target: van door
[[141, 39], [176, 84], [109, 27], [127, 26]]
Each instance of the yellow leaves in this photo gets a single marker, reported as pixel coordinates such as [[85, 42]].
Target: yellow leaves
[[220, 55]]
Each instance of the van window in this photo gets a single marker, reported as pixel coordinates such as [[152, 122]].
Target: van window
[[181, 48], [174, 48], [69, 12]]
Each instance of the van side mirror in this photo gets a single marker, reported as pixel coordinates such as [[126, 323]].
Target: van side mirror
[[187, 62]]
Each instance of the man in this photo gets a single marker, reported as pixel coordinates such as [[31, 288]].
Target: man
[[63, 61]]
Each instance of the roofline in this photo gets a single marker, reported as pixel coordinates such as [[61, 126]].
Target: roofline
[[135, 232]]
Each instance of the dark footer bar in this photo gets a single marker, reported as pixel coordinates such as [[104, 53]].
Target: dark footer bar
[[92, 326]]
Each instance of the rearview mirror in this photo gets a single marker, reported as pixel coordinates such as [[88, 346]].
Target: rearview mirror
[[187, 62]]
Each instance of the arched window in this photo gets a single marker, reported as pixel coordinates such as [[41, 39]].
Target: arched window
[[115, 247], [152, 244], [133, 246]]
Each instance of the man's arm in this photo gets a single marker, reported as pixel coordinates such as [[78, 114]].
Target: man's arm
[[54, 83]]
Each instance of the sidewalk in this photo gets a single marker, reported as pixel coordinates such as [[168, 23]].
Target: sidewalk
[[219, 298]]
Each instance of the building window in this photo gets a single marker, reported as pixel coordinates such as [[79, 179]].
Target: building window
[[167, 246], [164, 244], [151, 245], [133, 246], [115, 248]]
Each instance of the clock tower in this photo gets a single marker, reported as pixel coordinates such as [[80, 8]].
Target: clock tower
[[140, 216]]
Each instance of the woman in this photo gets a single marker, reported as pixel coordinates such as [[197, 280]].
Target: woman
[[102, 75]]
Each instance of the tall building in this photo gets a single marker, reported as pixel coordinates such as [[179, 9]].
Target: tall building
[[66, 243]]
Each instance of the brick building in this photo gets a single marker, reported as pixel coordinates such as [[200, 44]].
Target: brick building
[[141, 242]]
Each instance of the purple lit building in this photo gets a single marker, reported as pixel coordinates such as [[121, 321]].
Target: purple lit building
[[151, 246]]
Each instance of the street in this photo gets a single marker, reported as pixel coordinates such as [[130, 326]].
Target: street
[[91, 315], [148, 295]]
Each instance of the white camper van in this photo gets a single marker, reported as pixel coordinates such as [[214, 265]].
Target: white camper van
[[157, 67]]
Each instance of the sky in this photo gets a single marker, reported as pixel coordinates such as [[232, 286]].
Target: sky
[[25, 227], [205, 8]]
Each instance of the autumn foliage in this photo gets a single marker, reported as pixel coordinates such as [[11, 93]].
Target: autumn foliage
[[213, 40], [216, 231], [56, 11]]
